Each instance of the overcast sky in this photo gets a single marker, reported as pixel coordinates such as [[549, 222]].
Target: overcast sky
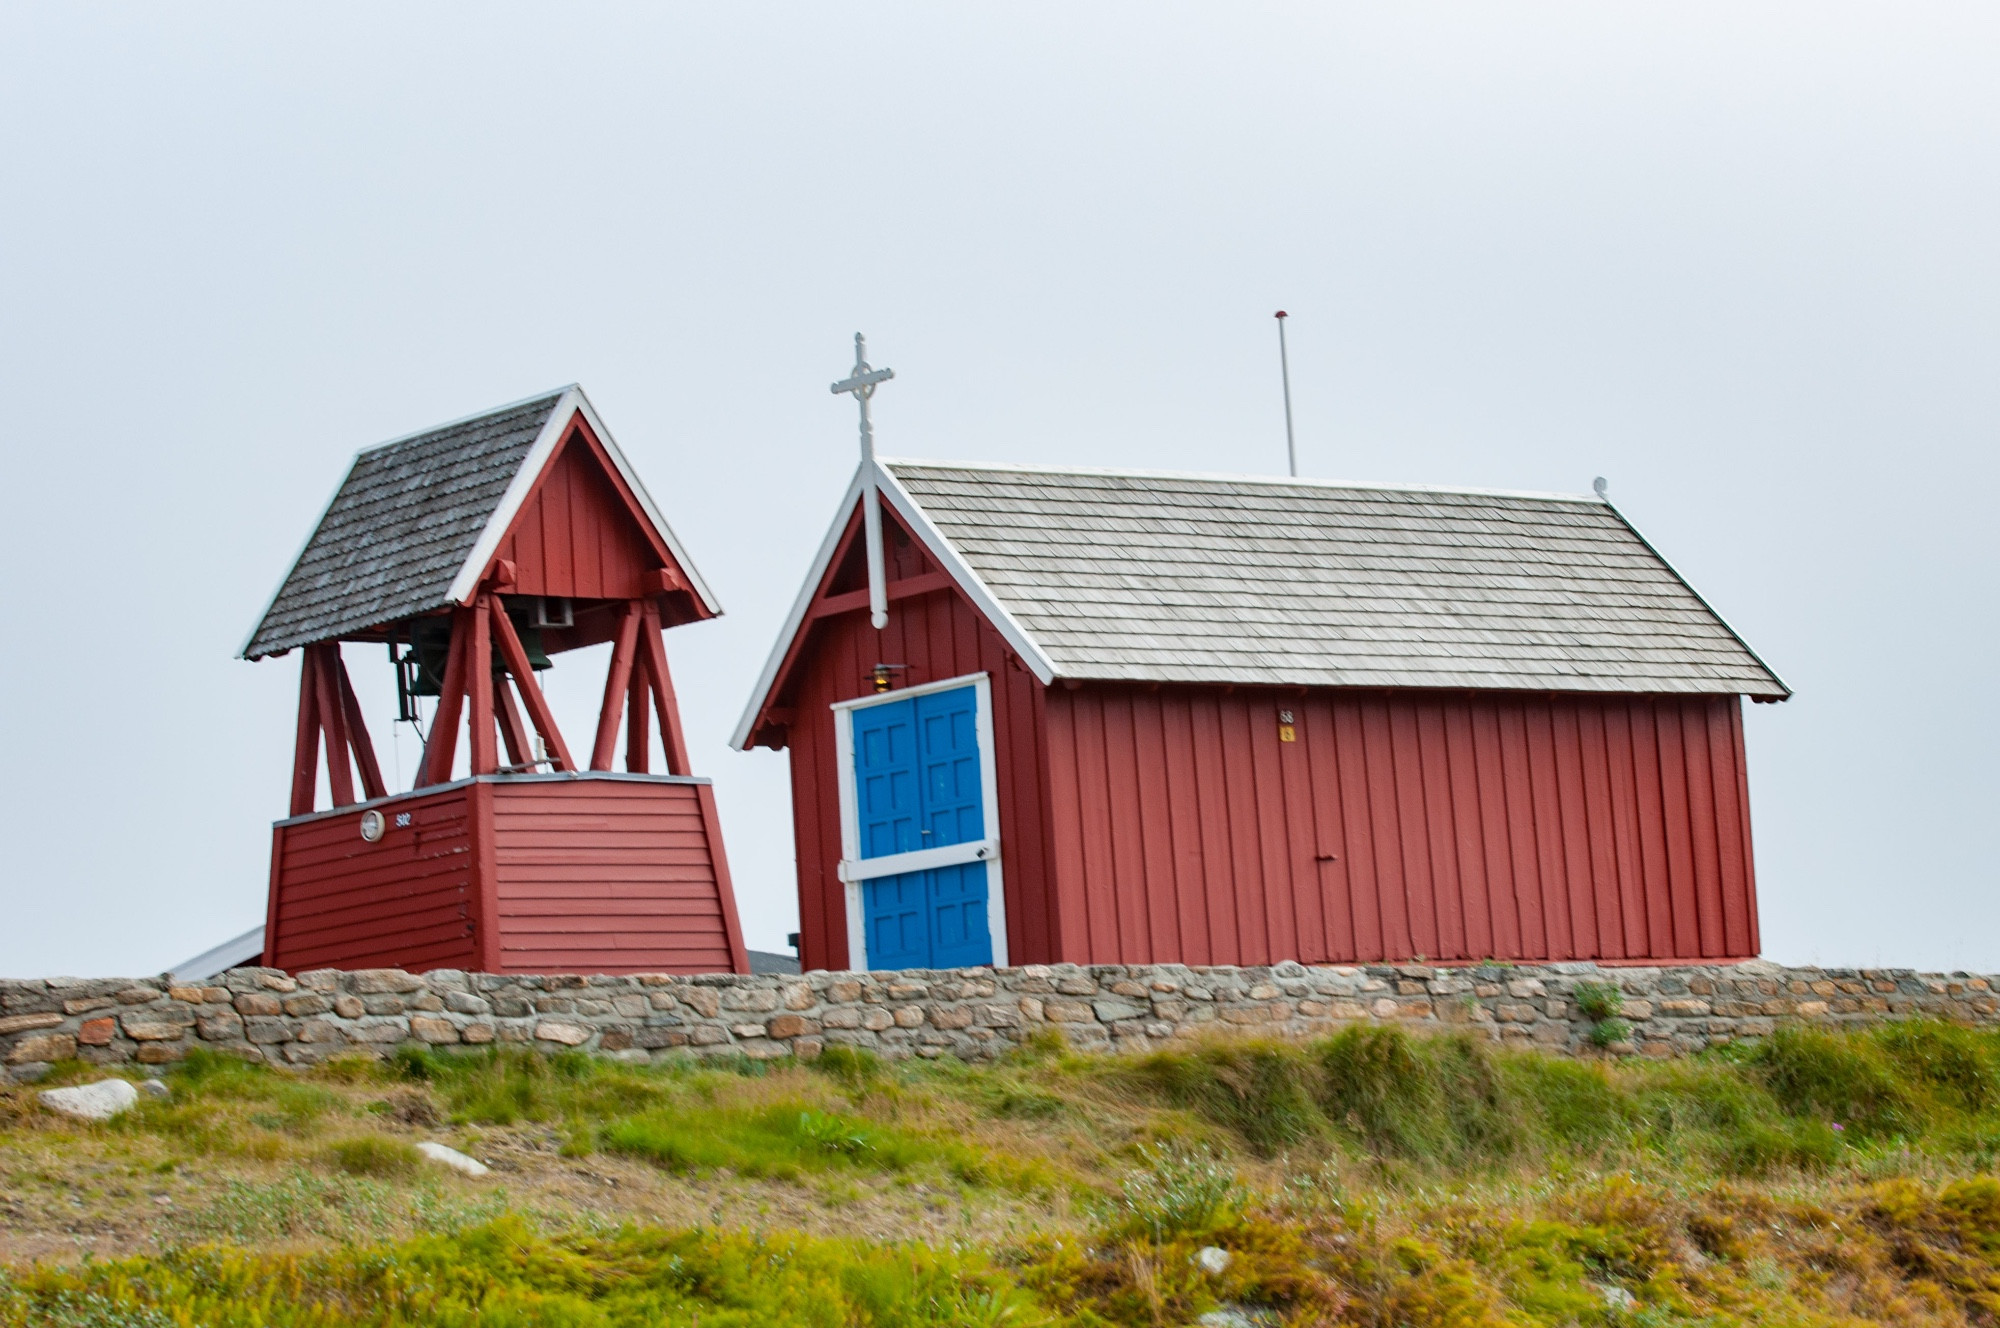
[[1739, 259]]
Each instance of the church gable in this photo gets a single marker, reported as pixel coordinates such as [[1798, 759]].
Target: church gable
[[582, 535], [903, 557]]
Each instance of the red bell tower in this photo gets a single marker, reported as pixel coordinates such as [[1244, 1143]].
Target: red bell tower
[[476, 551]]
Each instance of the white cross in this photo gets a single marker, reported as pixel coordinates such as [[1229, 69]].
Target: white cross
[[862, 384]]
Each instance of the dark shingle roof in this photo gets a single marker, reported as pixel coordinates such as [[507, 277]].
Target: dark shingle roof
[[400, 528], [1181, 578]]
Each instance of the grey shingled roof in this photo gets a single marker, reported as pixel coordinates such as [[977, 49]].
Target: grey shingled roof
[[1165, 578], [400, 528]]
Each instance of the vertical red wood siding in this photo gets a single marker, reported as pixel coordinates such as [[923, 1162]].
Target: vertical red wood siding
[[607, 876], [404, 901], [1450, 826], [935, 636], [575, 535]]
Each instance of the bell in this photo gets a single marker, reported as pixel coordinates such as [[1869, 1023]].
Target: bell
[[531, 639], [430, 650]]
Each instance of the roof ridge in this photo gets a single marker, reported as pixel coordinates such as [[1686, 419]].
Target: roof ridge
[[1276, 481], [553, 395]]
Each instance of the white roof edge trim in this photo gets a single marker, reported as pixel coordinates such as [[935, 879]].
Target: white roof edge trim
[[1275, 481], [572, 403], [739, 740], [653, 514], [564, 390], [969, 580], [1737, 636], [243, 651], [467, 581]]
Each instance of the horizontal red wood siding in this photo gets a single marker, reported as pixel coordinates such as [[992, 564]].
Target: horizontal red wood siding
[[1448, 826], [403, 901], [606, 876], [933, 636]]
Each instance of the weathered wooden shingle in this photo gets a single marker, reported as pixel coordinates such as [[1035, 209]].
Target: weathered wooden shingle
[[401, 526], [1163, 578]]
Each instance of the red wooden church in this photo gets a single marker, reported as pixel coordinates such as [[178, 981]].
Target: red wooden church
[[1112, 717], [476, 551]]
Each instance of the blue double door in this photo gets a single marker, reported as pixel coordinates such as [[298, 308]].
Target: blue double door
[[918, 787]]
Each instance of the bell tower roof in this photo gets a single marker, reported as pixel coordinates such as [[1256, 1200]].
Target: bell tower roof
[[417, 521]]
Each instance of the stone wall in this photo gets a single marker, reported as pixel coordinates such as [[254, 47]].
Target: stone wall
[[973, 1013]]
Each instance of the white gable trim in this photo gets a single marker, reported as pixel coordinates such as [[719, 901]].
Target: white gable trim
[[960, 571], [572, 403], [467, 581], [797, 617], [653, 514]]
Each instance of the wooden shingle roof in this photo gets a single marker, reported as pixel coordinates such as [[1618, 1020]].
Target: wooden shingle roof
[[413, 522], [1207, 579]]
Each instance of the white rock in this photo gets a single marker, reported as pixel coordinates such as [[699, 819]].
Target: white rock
[[1213, 1259], [155, 1088], [1619, 1300], [1229, 1316], [451, 1157], [92, 1102]]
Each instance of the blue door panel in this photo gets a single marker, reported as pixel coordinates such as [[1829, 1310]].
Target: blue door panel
[[917, 779], [957, 899], [887, 779], [898, 927]]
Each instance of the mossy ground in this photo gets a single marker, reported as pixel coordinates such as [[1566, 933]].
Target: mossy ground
[[1369, 1178]]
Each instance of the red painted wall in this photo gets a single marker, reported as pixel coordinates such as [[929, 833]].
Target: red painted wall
[[575, 535], [936, 635], [405, 901], [608, 876], [1143, 825], [1447, 825], [595, 875]]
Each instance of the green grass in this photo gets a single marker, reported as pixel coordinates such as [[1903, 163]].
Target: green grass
[[506, 1275], [375, 1155], [783, 1140], [1801, 1098], [730, 1116], [340, 1208], [1370, 1177], [1425, 1105], [1607, 1252]]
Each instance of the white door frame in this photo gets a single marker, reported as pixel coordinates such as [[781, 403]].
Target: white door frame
[[854, 869]]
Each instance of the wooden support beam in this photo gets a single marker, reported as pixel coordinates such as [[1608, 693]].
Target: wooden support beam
[[357, 733], [442, 746], [333, 724], [923, 583], [616, 682], [638, 731], [512, 731], [655, 651], [479, 688], [531, 691], [305, 750]]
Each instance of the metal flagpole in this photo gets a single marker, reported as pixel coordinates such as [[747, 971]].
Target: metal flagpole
[[1285, 368]]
